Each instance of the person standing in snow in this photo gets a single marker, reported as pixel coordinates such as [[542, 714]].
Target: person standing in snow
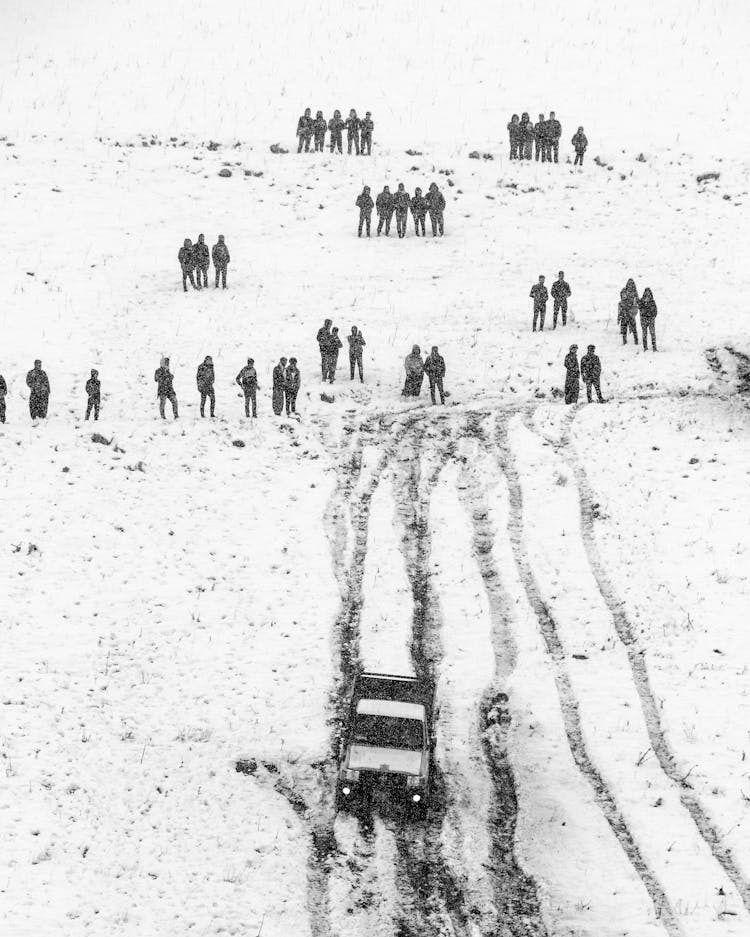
[[560, 292], [580, 143], [554, 132], [384, 208], [352, 131], [540, 137], [526, 139], [540, 296], [292, 381], [279, 382], [648, 311], [220, 257], [436, 207], [332, 357], [627, 311], [200, 256], [204, 378], [248, 381], [3, 392], [414, 367], [356, 343], [572, 372], [434, 368], [94, 394], [186, 257], [323, 339], [304, 131], [365, 205], [401, 203], [591, 372], [165, 388], [368, 126], [418, 211], [336, 126], [38, 383], [514, 134], [319, 131]]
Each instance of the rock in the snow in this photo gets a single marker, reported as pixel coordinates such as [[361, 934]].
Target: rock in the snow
[[238, 443], [102, 440], [225, 173], [474, 154], [327, 398], [705, 176], [277, 148]]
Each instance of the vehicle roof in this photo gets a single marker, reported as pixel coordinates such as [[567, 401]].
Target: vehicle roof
[[386, 707]]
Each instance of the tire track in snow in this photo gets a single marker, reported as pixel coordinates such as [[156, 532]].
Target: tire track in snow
[[639, 670], [569, 703]]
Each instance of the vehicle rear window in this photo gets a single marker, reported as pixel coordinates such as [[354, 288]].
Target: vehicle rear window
[[387, 731]]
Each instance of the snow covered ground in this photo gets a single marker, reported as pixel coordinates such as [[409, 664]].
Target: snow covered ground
[[182, 604]]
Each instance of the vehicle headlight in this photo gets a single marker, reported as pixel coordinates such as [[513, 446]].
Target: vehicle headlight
[[350, 775], [415, 798], [414, 780], [346, 790]]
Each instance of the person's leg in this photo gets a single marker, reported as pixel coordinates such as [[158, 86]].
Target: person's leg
[[217, 277], [351, 367], [359, 368], [635, 331], [203, 403], [299, 145], [536, 316], [361, 222], [173, 401], [96, 408], [192, 279], [588, 390], [184, 279], [439, 383], [598, 390], [367, 224], [252, 398], [380, 224], [349, 143], [246, 394], [2, 408], [162, 404], [431, 379], [212, 399], [433, 222], [388, 219], [555, 310], [542, 314], [653, 335], [323, 365], [564, 311], [294, 402], [89, 406]]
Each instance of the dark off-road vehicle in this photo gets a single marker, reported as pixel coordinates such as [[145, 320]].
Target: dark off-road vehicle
[[387, 744]]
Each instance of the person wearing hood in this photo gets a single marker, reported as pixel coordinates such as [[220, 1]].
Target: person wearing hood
[[384, 208], [38, 383], [319, 131], [248, 381], [279, 382], [201, 256], [94, 394], [368, 125], [165, 388], [436, 207], [648, 310], [292, 382], [526, 136], [434, 368], [540, 296], [336, 126], [220, 256], [205, 380], [580, 143], [186, 257], [352, 125], [365, 205], [627, 312], [3, 392], [304, 131], [323, 339], [418, 211], [414, 368], [591, 372], [560, 292], [572, 374], [514, 133], [401, 203], [332, 357], [356, 343]]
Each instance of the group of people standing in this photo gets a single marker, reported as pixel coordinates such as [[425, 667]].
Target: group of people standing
[[37, 380], [329, 345], [629, 307], [560, 293], [433, 366], [195, 258], [543, 137], [358, 132], [400, 203], [590, 369]]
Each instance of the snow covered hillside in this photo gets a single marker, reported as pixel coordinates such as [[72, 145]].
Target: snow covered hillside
[[182, 604]]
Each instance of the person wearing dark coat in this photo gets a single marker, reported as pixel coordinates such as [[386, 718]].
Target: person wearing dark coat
[[514, 133], [436, 207], [356, 343], [648, 310], [540, 138], [279, 382], [319, 131], [94, 394], [554, 132], [248, 381], [580, 143], [304, 130], [540, 296], [186, 257], [627, 312], [165, 388], [292, 381], [434, 368], [418, 211], [365, 205], [332, 356], [38, 383], [204, 378], [323, 339], [414, 367], [591, 372], [526, 138], [336, 126], [3, 392], [352, 125], [220, 257], [401, 203], [201, 257], [560, 292], [572, 372], [368, 125], [384, 208]]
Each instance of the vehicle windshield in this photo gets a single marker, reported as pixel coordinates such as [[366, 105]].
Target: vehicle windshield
[[387, 731]]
